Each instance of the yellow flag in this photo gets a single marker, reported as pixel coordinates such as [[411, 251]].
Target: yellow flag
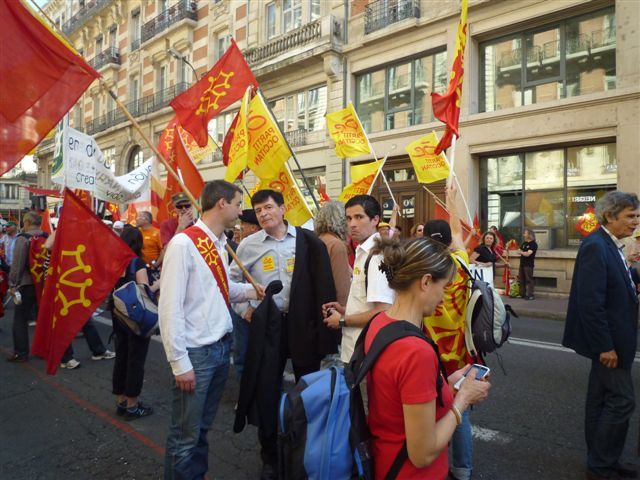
[[239, 146], [296, 210], [429, 167], [347, 132], [197, 152], [268, 150], [361, 180]]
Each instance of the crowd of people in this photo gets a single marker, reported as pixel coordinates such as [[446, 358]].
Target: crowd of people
[[247, 283]]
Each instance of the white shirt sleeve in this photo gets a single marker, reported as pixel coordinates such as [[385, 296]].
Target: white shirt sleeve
[[378, 289], [172, 317]]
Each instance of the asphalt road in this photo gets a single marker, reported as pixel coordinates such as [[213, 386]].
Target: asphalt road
[[65, 427]]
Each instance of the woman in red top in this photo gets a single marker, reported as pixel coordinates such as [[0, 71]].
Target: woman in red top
[[401, 387]]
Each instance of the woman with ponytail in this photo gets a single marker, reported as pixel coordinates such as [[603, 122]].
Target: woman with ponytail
[[409, 399]]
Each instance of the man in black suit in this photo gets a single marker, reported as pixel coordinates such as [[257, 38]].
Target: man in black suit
[[602, 323]]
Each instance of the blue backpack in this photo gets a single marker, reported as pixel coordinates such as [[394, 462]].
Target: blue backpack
[[322, 425], [135, 306]]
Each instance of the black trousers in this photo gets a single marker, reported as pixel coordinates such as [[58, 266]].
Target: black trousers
[[93, 339], [22, 315], [128, 366], [610, 404], [269, 443], [526, 280]]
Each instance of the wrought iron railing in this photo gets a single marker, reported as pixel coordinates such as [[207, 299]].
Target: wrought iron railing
[[135, 44], [603, 38], [580, 43], [182, 10], [139, 107], [297, 137], [109, 56], [88, 11], [382, 13], [295, 38]]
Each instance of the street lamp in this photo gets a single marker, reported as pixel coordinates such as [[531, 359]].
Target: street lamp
[[175, 54]]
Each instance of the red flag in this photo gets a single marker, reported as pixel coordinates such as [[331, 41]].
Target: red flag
[[512, 245], [85, 197], [476, 222], [225, 83], [45, 226], [588, 222], [446, 107], [190, 175], [132, 214], [228, 138], [441, 213], [41, 78], [114, 208], [86, 261]]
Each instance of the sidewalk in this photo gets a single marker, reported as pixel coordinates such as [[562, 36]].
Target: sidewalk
[[541, 307]]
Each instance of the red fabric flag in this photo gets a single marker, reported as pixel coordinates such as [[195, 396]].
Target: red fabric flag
[[132, 214], [189, 172], [41, 78], [476, 222], [588, 222], [512, 245], [446, 107], [86, 261], [45, 226], [85, 197], [228, 138], [441, 213], [225, 83], [115, 211]]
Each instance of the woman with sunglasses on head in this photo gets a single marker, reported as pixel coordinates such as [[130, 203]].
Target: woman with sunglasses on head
[[409, 399]]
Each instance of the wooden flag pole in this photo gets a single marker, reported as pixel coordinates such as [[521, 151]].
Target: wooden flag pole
[[153, 148]]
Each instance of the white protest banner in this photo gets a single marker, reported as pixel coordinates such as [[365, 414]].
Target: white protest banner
[[482, 273], [85, 169]]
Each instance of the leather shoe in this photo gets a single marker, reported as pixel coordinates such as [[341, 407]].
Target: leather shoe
[[625, 472], [269, 472], [15, 358]]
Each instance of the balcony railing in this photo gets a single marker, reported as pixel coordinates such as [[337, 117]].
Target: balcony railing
[[382, 13], [109, 56], [295, 38], [135, 44], [90, 9], [184, 9], [142, 106], [581, 43], [297, 137]]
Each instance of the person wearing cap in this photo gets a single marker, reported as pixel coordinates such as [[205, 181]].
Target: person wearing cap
[[9, 240], [248, 223], [183, 217], [118, 226]]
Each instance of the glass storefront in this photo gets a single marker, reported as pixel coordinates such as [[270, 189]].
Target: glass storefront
[[546, 191]]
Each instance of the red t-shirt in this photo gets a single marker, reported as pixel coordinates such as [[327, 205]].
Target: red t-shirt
[[405, 373]]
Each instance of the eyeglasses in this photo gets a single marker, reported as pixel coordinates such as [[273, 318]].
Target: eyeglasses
[[184, 206]]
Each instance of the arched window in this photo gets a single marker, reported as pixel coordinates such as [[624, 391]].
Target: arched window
[[136, 158]]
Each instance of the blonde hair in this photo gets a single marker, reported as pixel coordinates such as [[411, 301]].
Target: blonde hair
[[405, 263]]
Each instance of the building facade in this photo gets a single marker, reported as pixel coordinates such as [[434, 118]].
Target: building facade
[[550, 114]]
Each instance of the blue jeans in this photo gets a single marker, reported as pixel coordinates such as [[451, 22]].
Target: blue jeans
[[461, 449], [240, 342], [192, 414]]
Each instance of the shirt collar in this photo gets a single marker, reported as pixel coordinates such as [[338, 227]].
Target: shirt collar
[[615, 239], [220, 242], [368, 244], [291, 230]]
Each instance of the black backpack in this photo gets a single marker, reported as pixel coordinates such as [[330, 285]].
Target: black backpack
[[356, 371]]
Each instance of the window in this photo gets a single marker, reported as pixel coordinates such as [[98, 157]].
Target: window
[[303, 110], [136, 158], [77, 117], [219, 125], [135, 29], [109, 155], [183, 70], [134, 95], [291, 14], [271, 20], [315, 10], [546, 191], [573, 57], [113, 37], [161, 78], [222, 43], [316, 177], [400, 95], [96, 107], [98, 44]]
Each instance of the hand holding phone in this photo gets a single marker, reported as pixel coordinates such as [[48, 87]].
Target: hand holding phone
[[481, 372]]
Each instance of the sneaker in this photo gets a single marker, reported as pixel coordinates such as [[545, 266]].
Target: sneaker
[[137, 411], [107, 355], [15, 358], [32, 323], [71, 364], [121, 408]]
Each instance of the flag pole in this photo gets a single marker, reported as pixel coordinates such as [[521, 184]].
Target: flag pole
[[154, 149], [293, 154], [452, 162], [464, 200], [384, 177]]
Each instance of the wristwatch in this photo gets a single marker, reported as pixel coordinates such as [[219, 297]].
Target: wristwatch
[[342, 322]]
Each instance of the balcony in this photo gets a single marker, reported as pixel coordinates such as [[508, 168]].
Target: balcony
[[88, 11], [296, 138], [137, 108], [183, 10], [382, 13], [296, 38], [110, 56]]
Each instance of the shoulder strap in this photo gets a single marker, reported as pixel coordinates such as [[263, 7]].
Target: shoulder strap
[[366, 274], [464, 266], [397, 464]]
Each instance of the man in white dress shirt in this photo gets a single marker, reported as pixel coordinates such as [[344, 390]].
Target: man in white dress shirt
[[196, 326]]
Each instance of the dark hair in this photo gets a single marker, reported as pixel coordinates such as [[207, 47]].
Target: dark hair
[[216, 190], [133, 238], [405, 263], [262, 196], [369, 204], [148, 215], [613, 203], [495, 239], [438, 230]]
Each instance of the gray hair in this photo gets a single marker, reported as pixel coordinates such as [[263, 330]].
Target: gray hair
[[613, 203], [331, 219], [33, 218], [532, 234]]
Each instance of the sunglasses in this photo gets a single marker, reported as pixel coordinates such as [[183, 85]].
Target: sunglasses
[[184, 206]]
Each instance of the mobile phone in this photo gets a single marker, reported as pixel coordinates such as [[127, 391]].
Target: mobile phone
[[482, 371]]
